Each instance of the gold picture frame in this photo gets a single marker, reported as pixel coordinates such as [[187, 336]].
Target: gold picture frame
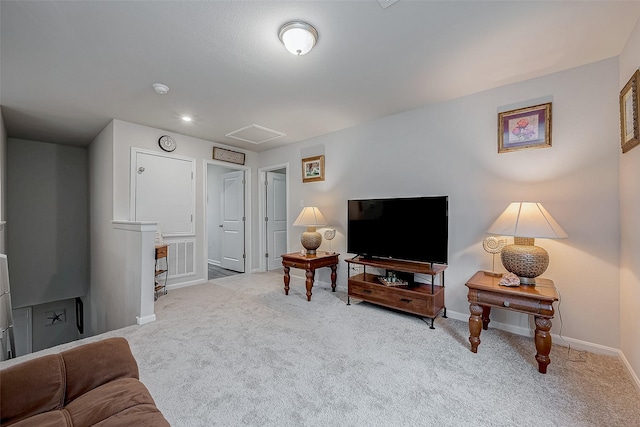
[[524, 128], [629, 105], [313, 169]]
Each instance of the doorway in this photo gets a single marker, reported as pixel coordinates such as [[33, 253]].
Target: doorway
[[274, 203], [226, 193]]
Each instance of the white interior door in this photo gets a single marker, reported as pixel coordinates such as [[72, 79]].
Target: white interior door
[[164, 192], [233, 220], [276, 219]]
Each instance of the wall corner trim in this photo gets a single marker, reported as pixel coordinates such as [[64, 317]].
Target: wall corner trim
[[145, 319], [632, 374]]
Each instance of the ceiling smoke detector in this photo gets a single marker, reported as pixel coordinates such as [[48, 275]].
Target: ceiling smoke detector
[[160, 88]]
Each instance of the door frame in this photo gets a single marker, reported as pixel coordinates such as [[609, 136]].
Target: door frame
[[247, 212], [262, 208]]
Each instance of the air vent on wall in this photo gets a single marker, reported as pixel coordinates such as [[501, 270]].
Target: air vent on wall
[[255, 134]]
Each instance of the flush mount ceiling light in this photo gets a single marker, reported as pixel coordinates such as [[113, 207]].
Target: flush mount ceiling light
[[186, 119], [160, 88], [298, 37]]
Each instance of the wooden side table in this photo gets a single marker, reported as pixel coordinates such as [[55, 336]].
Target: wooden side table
[[485, 292], [310, 263]]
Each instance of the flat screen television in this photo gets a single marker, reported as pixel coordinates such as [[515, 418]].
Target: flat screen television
[[411, 228]]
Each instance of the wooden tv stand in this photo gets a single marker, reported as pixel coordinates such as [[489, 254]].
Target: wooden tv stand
[[425, 300]]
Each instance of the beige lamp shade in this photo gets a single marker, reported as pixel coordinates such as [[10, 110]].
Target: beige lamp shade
[[310, 217], [526, 221]]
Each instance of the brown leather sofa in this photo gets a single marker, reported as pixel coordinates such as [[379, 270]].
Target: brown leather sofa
[[93, 384]]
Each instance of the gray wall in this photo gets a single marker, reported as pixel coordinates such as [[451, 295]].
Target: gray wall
[[3, 183], [47, 210], [630, 226]]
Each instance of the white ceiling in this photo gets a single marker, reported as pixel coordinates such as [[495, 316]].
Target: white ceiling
[[68, 68]]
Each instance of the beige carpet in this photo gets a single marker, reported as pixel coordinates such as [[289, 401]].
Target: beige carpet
[[238, 352]]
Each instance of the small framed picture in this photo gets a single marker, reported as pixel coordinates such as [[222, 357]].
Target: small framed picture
[[629, 105], [313, 169], [230, 156], [524, 128]]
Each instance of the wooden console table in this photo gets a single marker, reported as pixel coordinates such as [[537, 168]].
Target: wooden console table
[[485, 292], [425, 300], [310, 263], [161, 288]]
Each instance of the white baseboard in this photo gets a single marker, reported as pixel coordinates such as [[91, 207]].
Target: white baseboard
[[213, 262], [518, 330], [145, 319], [186, 284], [563, 342]]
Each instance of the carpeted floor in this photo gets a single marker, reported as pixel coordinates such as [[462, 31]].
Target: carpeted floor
[[238, 352]]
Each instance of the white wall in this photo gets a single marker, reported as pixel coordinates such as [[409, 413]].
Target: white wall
[[104, 311], [451, 149], [629, 225], [122, 254], [128, 135]]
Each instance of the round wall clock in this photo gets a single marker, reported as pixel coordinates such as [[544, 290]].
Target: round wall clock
[[167, 143]]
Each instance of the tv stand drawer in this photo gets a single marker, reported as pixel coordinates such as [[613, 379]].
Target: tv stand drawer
[[416, 300]]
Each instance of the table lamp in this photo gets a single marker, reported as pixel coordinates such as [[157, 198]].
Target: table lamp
[[525, 221], [310, 217]]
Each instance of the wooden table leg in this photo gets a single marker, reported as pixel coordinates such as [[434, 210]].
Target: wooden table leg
[[333, 277], [486, 311], [286, 280], [475, 326], [309, 283], [543, 343]]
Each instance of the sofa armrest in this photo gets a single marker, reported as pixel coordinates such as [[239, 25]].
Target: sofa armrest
[[94, 364], [31, 388]]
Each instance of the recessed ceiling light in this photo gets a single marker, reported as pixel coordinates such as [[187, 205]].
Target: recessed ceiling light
[[186, 118]]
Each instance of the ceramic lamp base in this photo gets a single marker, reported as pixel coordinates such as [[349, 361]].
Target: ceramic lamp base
[[311, 240], [525, 260]]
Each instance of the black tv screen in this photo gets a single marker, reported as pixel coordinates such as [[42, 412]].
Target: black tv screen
[[412, 228]]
